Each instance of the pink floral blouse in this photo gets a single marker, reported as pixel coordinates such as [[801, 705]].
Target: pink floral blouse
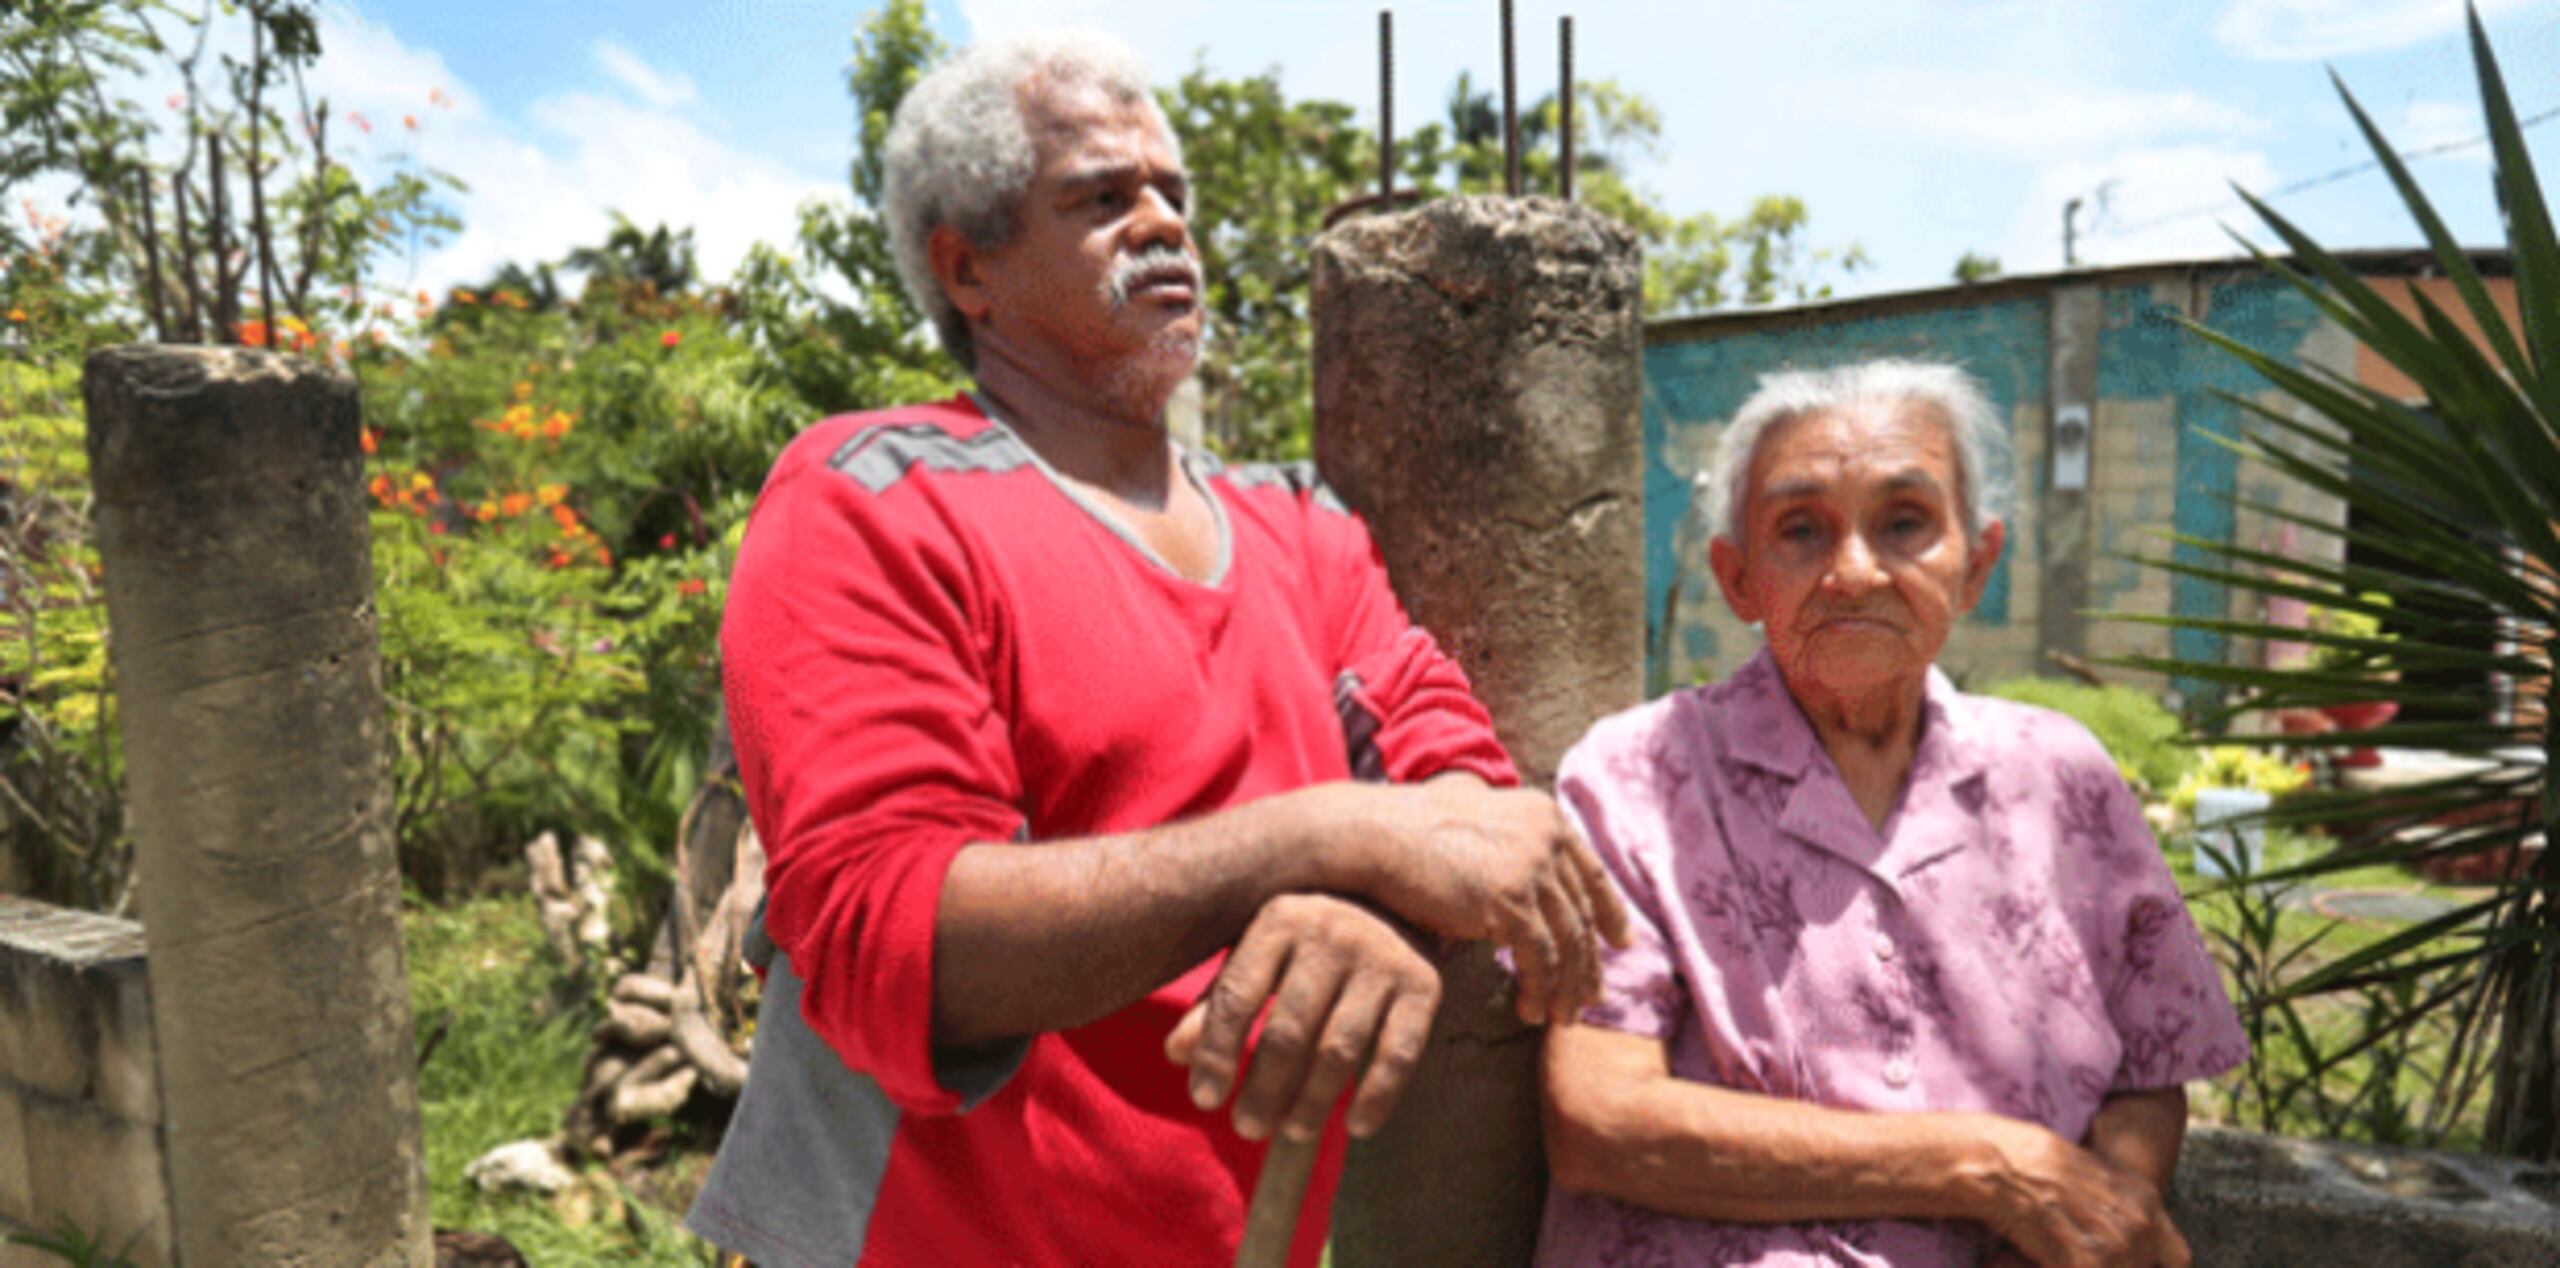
[[2011, 941]]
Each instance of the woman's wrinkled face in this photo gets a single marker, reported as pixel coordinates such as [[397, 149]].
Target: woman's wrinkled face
[[1854, 557]]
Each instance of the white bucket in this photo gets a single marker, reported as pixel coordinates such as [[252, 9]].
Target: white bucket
[[2245, 844]]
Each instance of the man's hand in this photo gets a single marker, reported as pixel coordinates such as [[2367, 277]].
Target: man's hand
[[1469, 861], [2061, 1206], [1347, 987]]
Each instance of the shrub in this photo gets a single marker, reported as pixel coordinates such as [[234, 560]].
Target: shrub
[[2140, 734]]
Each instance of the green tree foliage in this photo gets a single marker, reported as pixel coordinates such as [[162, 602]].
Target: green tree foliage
[[226, 211], [1973, 266], [1264, 171]]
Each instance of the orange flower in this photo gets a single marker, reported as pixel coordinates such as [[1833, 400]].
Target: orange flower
[[671, 339], [604, 558], [425, 300], [436, 528], [559, 559], [409, 121], [515, 504], [690, 587], [485, 512], [380, 487], [564, 517], [523, 389], [465, 297], [253, 333], [17, 314], [365, 438], [556, 426], [550, 494]]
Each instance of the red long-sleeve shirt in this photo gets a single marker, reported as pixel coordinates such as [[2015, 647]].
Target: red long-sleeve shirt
[[931, 642]]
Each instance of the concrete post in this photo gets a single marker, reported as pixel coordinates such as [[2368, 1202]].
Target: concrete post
[[2064, 521], [1478, 379], [231, 520]]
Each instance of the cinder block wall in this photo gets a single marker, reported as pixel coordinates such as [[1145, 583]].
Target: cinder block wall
[[80, 1117]]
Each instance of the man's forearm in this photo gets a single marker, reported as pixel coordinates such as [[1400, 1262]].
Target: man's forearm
[[2141, 1132], [1039, 937]]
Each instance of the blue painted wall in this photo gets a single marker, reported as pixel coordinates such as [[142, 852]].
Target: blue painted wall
[[2146, 353]]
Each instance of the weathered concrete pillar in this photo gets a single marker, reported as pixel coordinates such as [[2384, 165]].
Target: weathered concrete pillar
[[1478, 379], [231, 520]]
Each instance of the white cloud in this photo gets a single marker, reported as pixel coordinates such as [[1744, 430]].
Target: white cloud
[[2143, 213], [543, 184], [2033, 118], [662, 89], [2427, 125], [2309, 30]]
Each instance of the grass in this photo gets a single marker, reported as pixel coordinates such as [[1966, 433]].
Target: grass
[[514, 1034]]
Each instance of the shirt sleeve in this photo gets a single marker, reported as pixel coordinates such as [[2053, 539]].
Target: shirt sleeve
[[1640, 987], [1397, 690], [872, 750], [2164, 992]]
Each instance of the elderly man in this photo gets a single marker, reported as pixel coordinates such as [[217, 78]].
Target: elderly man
[[1037, 713], [1909, 983]]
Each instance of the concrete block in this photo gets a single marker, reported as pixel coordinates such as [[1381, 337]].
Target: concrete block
[[105, 1174], [75, 1008], [17, 1189], [2250, 1201]]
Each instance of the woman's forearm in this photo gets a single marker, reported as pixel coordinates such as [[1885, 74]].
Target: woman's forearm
[[2141, 1132], [1617, 1127]]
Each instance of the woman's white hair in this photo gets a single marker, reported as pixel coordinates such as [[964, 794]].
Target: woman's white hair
[[1983, 478], [961, 153]]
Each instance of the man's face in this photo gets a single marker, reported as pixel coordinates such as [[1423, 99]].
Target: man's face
[[1854, 555], [1101, 265]]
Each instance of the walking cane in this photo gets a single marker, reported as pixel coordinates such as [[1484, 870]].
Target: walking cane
[[1271, 1223]]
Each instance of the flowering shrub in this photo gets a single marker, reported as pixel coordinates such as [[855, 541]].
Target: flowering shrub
[[2236, 766], [557, 494]]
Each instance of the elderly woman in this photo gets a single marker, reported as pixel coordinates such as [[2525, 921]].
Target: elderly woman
[[1910, 983]]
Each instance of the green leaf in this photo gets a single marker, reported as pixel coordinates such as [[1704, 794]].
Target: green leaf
[[2529, 232]]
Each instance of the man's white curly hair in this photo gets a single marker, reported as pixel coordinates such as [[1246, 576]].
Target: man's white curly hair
[[960, 152]]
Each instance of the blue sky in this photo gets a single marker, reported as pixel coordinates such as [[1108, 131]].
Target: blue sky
[[1919, 129]]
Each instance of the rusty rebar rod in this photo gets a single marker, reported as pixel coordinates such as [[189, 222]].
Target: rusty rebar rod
[[187, 254], [151, 256], [226, 298], [1564, 95], [1510, 109], [264, 242], [1386, 103]]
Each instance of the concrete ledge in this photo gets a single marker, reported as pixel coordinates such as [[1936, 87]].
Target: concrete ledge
[[2251, 1201], [75, 1008], [81, 1135]]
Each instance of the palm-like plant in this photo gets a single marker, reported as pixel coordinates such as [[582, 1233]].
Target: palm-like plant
[[2461, 494]]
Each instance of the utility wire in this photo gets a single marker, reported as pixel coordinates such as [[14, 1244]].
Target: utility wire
[[2325, 178]]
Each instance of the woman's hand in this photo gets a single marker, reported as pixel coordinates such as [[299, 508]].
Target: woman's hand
[[1348, 991], [2060, 1206]]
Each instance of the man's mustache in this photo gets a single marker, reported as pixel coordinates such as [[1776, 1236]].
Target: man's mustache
[[1160, 262]]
